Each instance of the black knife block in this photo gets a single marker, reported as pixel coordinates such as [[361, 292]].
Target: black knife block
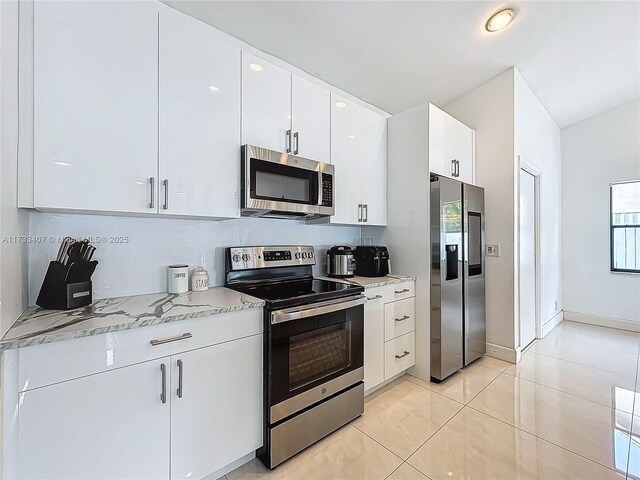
[[67, 286]]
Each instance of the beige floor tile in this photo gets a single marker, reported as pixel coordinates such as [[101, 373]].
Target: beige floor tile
[[493, 363], [596, 336], [581, 426], [407, 472], [403, 415], [475, 446], [464, 385], [601, 386], [345, 454]]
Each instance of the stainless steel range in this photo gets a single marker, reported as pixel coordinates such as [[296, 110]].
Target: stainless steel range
[[313, 349]]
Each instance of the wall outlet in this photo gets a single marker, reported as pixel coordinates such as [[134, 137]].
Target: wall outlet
[[493, 250]]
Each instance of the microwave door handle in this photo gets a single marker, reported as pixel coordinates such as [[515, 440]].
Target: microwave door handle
[[297, 313], [320, 187]]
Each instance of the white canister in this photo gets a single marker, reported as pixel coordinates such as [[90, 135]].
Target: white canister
[[178, 278], [199, 280]]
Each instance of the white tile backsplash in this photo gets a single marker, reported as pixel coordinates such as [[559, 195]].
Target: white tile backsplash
[[139, 266]]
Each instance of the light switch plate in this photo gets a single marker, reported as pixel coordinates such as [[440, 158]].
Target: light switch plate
[[493, 250]]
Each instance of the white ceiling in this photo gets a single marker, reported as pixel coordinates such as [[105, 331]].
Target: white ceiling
[[580, 57]]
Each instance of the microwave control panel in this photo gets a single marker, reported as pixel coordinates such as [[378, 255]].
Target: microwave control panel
[[327, 190], [245, 258]]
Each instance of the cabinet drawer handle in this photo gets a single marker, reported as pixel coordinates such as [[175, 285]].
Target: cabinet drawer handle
[[184, 336], [180, 369], [288, 140], [398, 357], [365, 209], [296, 143], [406, 317], [376, 297], [152, 182], [404, 290], [359, 212], [163, 393], [166, 194]]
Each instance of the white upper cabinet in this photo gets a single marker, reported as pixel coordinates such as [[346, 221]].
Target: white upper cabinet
[[451, 146], [311, 120], [95, 106], [266, 105], [104, 426], [359, 153], [199, 114]]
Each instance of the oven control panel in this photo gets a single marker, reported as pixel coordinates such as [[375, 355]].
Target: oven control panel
[[246, 258]]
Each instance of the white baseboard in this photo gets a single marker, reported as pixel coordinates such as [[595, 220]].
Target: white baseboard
[[551, 324], [503, 353], [619, 323], [231, 467]]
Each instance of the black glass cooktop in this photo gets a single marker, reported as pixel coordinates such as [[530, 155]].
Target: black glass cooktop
[[290, 293]]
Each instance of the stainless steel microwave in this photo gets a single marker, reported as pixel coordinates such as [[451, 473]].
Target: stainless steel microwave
[[280, 185]]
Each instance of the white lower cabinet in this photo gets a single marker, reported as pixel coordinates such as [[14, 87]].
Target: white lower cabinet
[[186, 414], [389, 331], [217, 417], [105, 426]]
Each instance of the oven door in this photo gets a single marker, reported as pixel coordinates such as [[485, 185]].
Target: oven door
[[315, 351], [278, 184]]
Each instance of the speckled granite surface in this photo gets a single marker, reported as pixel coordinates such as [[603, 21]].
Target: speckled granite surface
[[36, 326]]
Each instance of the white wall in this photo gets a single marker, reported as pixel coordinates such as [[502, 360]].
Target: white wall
[[489, 110], [595, 152], [13, 222], [537, 139], [139, 266]]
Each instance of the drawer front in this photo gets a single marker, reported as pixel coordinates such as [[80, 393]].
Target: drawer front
[[399, 318], [402, 290], [49, 363], [379, 294], [399, 354]]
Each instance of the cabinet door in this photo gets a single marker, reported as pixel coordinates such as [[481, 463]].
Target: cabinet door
[[218, 417], [199, 119], [437, 121], [266, 104], [347, 155], [460, 147], [95, 105], [110, 425], [311, 120], [373, 338], [374, 174]]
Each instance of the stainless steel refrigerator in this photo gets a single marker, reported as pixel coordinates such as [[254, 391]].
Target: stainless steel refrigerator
[[458, 324]]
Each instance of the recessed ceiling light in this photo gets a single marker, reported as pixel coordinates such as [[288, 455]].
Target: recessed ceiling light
[[351, 136], [256, 67], [213, 88], [500, 19], [341, 104], [62, 164]]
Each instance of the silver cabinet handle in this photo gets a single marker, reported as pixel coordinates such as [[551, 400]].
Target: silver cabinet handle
[[152, 182], [366, 212], [404, 290], [296, 139], [184, 336], [398, 357], [457, 167], [180, 369], [163, 393], [288, 140], [359, 212], [453, 168], [165, 182], [406, 317], [376, 297]]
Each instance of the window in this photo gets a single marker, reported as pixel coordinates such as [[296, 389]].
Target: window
[[625, 227]]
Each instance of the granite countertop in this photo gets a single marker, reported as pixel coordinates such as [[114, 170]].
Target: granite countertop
[[370, 282], [36, 326]]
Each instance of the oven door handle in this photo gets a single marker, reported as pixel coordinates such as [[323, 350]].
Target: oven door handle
[[295, 313]]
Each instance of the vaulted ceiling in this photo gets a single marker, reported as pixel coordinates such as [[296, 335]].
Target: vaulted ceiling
[[580, 57]]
